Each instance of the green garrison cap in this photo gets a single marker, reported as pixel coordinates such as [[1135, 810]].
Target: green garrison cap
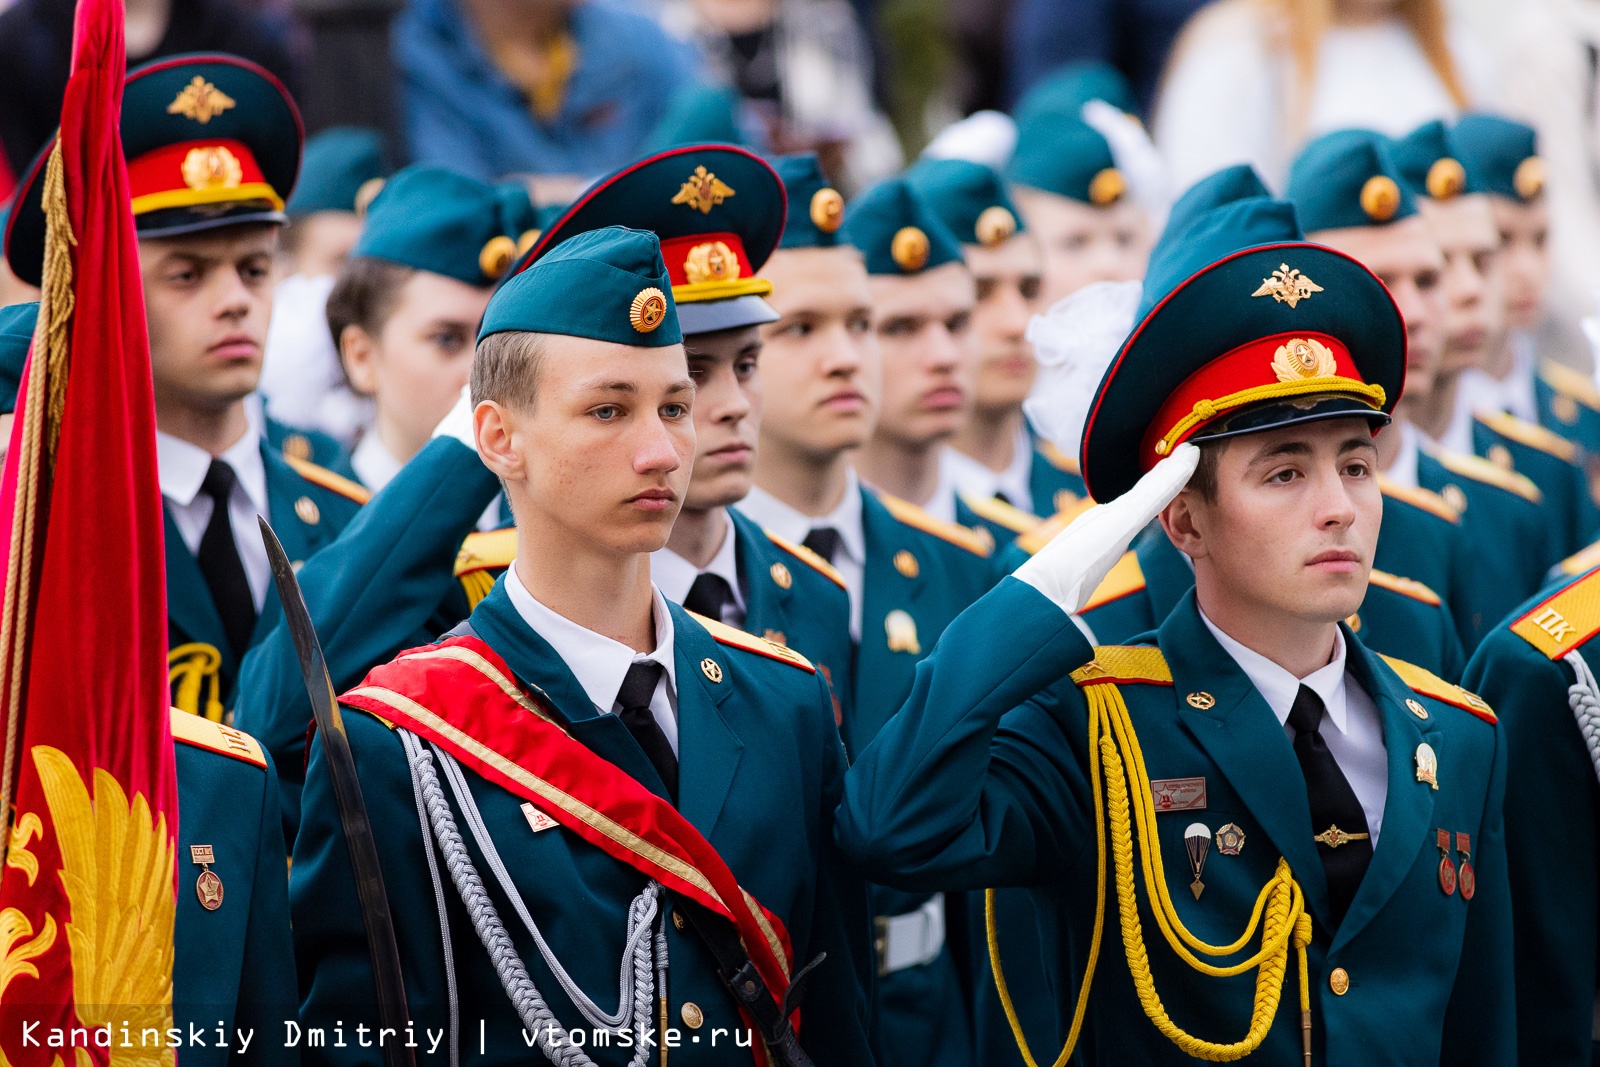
[[16, 334], [1226, 186], [816, 209], [434, 219], [718, 210], [211, 140], [1066, 89], [609, 284], [1244, 327], [969, 198], [1347, 179], [1502, 152], [698, 114], [342, 171], [1429, 166], [1062, 154], [898, 232]]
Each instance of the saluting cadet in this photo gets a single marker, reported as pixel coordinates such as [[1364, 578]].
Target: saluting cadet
[[1464, 413], [620, 765], [213, 143], [908, 574], [1349, 195], [994, 457], [1271, 761]]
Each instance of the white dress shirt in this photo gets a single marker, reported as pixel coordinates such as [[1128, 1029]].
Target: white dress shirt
[[792, 525], [942, 504], [972, 478], [1356, 740], [182, 467], [373, 463], [674, 575], [599, 663]]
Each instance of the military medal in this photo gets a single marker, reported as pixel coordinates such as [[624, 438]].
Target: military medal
[[1197, 842], [208, 887], [1427, 765], [1230, 839], [1447, 867], [1467, 878]]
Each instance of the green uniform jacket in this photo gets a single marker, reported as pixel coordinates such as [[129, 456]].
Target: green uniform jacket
[[1553, 803], [310, 445], [1504, 522], [1054, 481], [982, 781], [1569, 405], [761, 770], [1552, 463], [997, 522], [233, 967], [308, 507], [1422, 539]]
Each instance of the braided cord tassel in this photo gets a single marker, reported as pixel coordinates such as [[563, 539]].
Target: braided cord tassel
[[1583, 696]]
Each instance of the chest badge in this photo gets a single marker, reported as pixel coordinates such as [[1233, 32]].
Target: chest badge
[[208, 887], [1447, 867], [1197, 842], [1427, 765], [537, 820], [1178, 794], [1230, 839], [1467, 878], [901, 631]]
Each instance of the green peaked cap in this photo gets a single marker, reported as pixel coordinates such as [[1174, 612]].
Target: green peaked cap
[[609, 284], [1347, 179], [338, 162], [1504, 153], [433, 219], [969, 198], [898, 232]]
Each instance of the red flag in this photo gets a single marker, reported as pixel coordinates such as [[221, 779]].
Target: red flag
[[88, 890]]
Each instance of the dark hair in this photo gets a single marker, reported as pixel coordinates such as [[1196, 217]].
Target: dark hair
[[365, 295], [1204, 478]]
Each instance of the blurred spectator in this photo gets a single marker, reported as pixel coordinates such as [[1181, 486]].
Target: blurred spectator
[[567, 87], [1252, 80], [36, 51], [1132, 35], [803, 73]]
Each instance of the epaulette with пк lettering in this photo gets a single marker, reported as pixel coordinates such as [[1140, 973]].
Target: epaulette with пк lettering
[[1404, 586], [908, 513], [201, 732], [1036, 538], [1124, 664], [1425, 499], [1481, 470], [1530, 434], [1421, 680], [808, 557], [330, 481], [732, 637], [1001, 513], [1565, 619]]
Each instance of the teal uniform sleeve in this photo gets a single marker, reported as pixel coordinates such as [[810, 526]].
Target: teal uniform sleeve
[[267, 982], [948, 795]]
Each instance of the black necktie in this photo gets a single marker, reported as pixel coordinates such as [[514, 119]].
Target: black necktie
[[633, 702], [710, 596], [824, 541], [220, 564], [1000, 495], [1337, 818]]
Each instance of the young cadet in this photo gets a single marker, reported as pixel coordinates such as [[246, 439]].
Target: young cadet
[[1271, 761], [213, 143], [405, 309], [907, 573], [1461, 416], [994, 457], [619, 764], [1349, 195]]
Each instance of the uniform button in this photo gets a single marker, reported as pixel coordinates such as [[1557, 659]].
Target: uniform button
[[1339, 981], [677, 920], [693, 1017]]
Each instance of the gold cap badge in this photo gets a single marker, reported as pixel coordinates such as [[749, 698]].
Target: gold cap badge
[[1287, 286], [201, 101], [712, 261], [703, 190], [1528, 179], [528, 239], [648, 309], [827, 210], [1380, 198], [496, 255], [212, 168], [1107, 187], [909, 249], [994, 226], [1446, 178], [366, 193], [1300, 358]]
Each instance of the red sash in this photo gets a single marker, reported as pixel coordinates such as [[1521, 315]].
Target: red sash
[[460, 695]]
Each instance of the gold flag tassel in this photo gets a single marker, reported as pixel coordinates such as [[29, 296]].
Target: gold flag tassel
[[41, 428], [1117, 780]]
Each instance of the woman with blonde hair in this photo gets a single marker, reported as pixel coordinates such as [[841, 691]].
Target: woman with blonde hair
[[1251, 80]]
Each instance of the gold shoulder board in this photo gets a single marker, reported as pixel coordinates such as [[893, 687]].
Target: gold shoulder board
[[1040, 535], [1405, 586], [1564, 620], [1425, 499], [324, 477], [1000, 513], [724, 634], [487, 550], [1059, 459], [908, 513], [1423, 681], [808, 557], [1527, 433], [201, 732], [1123, 664], [1586, 559], [1124, 578], [1481, 470], [1568, 382]]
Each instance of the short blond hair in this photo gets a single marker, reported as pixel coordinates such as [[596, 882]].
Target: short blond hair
[[506, 368]]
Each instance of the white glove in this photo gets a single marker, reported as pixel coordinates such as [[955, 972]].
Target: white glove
[[1076, 560], [458, 423]]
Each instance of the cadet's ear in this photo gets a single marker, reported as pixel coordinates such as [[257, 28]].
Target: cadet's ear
[[1183, 526], [494, 428], [357, 353]]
